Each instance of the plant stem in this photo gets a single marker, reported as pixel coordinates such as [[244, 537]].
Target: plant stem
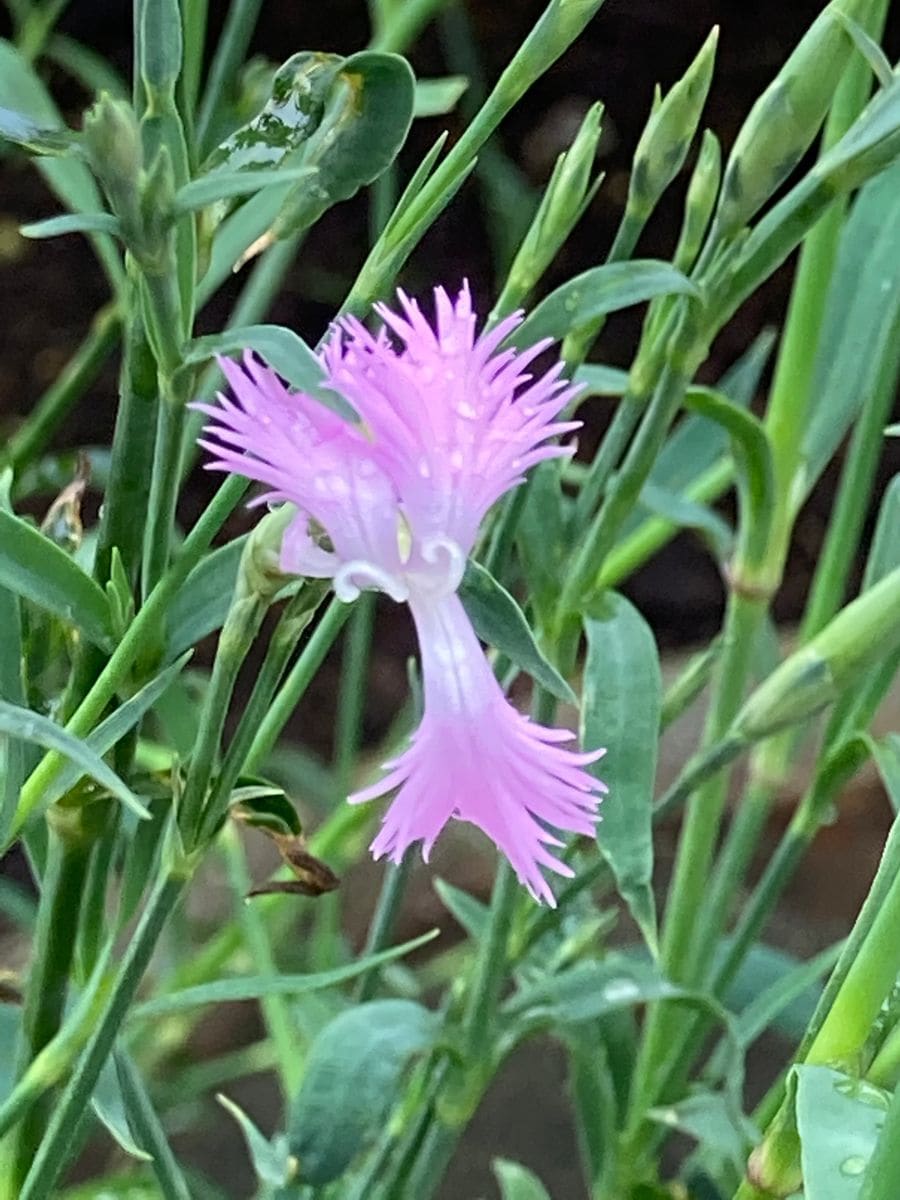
[[688, 351], [48, 980], [69, 386], [197, 818], [381, 927], [296, 683], [54, 1150], [883, 1171], [298, 613], [147, 1129], [404, 25], [276, 1011], [352, 695], [680, 954], [165, 478]]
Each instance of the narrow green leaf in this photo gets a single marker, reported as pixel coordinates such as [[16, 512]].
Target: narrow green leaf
[[709, 1118], [113, 728], [351, 1082], [517, 1182], [435, 97], [69, 178], [161, 44], [601, 380], [869, 49], [17, 128], [147, 1128], [500, 622], [838, 1119], [32, 566], [471, 914], [886, 753], [33, 727], [281, 348], [225, 185], [98, 222], [589, 990], [621, 707], [12, 689], [859, 328], [788, 1001], [599, 291], [201, 604], [253, 987], [270, 1162], [689, 514]]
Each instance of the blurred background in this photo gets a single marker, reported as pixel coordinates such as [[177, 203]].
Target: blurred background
[[50, 290]]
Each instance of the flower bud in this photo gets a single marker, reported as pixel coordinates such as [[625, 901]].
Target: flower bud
[[701, 197], [784, 120], [669, 132], [563, 203], [112, 143], [866, 631]]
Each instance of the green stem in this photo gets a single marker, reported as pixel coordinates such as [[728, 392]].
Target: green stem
[[296, 683], [276, 1011], [48, 980], [128, 486], [680, 952], [133, 642], [381, 927], [352, 696], [598, 540], [53, 1153], [883, 1171], [198, 818], [559, 25], [297, 614], [165, 478], [655, 532], [69, 386]]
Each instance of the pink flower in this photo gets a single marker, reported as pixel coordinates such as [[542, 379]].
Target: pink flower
[[448, 423]]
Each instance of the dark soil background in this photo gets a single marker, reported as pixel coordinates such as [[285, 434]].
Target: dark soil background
[[49, 291]]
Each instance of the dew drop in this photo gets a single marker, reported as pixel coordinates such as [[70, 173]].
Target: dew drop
[[854, 1165], [467, 410], [456, 460]]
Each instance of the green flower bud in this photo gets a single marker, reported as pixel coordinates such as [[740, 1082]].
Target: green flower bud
[[783, 122], [701, 197], [562, 206], [865, 632], [260, 571], [669, 132], [112, 143]]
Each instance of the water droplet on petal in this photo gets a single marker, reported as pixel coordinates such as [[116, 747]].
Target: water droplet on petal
[[456, 460], [854, 1165], [467, 410]]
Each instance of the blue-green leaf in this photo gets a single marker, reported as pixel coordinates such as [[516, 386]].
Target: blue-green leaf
[[500, 622], [599, 291], [254, 987], [99, 222], [32, 566], [838, 1119], [201, 604], [283, 350], [352, 1078], [271, 1161], [621, 706], [16, 722], [517, 1182]]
